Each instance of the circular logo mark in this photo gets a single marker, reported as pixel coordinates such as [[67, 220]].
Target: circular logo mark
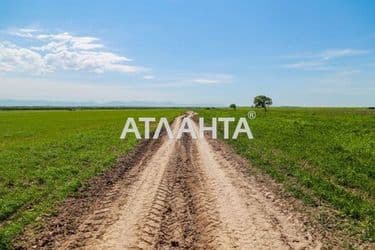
[[251, 115]]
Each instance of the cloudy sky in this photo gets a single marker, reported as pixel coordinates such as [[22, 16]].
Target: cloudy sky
[[308, 53]]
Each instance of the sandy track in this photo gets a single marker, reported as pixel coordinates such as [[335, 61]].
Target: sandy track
[[188, 194]]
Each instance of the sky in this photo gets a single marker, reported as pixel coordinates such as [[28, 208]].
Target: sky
[[300, 53]]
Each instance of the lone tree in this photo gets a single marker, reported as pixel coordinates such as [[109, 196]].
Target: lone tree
[[233, 106], [262, 101]]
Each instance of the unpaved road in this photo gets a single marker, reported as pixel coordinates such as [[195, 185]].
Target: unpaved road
[[188, 193]]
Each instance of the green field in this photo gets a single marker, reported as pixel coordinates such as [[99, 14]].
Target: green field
[[322, 156], [45, 155]]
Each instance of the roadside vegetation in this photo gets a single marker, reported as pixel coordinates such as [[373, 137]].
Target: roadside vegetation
[[47, 155], [323, 156]]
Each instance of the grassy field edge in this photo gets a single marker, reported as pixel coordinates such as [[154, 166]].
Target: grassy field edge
[[53, 154], [322, 156]]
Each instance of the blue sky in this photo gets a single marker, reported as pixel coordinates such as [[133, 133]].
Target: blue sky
[[308, 53]]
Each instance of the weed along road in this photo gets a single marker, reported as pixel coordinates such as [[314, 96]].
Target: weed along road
[[186, 193]]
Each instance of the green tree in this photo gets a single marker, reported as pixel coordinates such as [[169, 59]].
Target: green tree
[[233, 106], [262, 101]]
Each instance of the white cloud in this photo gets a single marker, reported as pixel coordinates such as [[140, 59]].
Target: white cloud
[[61, 51], [56, 41], [213, 79], [329, 54], [312, 65], [149, 77], [337, 53], [321, 60], [23, 32], [205, 81], [14, 58]]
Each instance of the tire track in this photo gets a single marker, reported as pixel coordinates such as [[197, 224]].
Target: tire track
[[144, 196], [248, 219], [187, 221]]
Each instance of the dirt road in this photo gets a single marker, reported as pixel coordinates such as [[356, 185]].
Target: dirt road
[[188, 194]]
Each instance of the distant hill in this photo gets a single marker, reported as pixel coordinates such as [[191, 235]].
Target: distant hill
[[47, 103]]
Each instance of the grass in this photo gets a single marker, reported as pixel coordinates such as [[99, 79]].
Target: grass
[[320, 155], [46, 155]]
